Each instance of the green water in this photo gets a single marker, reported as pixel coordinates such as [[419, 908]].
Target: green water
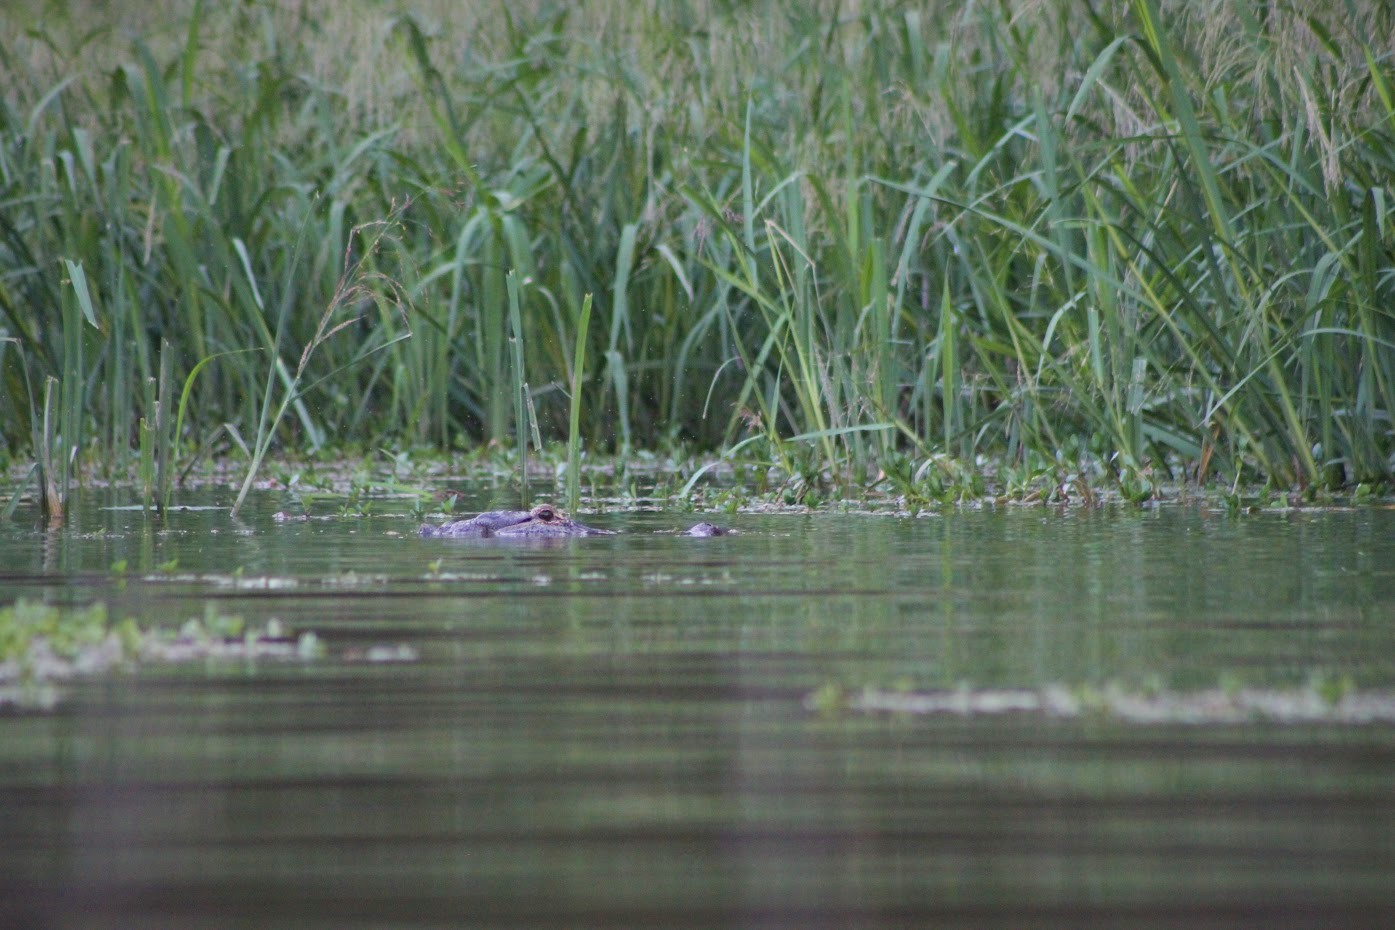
[[617, 731]]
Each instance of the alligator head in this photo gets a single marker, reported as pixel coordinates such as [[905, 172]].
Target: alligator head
[[542, 522]]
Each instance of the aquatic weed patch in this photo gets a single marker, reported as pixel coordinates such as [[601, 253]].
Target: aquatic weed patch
[[40, 641], [1320, 702], [42, 645]]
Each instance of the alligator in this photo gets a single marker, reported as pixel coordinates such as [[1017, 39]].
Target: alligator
[[542, 522]]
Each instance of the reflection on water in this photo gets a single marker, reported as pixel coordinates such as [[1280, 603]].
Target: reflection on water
[[616, 731]]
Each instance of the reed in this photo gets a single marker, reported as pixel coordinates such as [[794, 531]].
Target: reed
[[1153, 240], [578, 379], [53, 490], [519, 387]]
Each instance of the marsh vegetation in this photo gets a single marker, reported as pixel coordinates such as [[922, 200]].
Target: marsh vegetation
[[856, 242]]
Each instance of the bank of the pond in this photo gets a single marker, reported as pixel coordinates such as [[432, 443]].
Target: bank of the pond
[[844, 238], [352, 480]]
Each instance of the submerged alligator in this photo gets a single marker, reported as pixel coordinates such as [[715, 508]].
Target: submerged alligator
[[542, 522]]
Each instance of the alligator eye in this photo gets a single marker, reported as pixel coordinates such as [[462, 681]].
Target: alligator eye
[[545, 514]]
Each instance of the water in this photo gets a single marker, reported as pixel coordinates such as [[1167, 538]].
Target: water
[[619, 731]]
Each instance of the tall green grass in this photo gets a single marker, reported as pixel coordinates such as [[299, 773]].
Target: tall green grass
[[1154, 236]]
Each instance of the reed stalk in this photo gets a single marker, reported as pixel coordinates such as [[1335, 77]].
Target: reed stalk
[[519, 390], [583, 326]]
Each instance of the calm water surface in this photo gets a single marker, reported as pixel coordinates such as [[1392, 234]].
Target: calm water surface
[[614, 731]]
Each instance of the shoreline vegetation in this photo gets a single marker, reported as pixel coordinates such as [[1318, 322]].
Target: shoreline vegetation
[[890, 246]]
